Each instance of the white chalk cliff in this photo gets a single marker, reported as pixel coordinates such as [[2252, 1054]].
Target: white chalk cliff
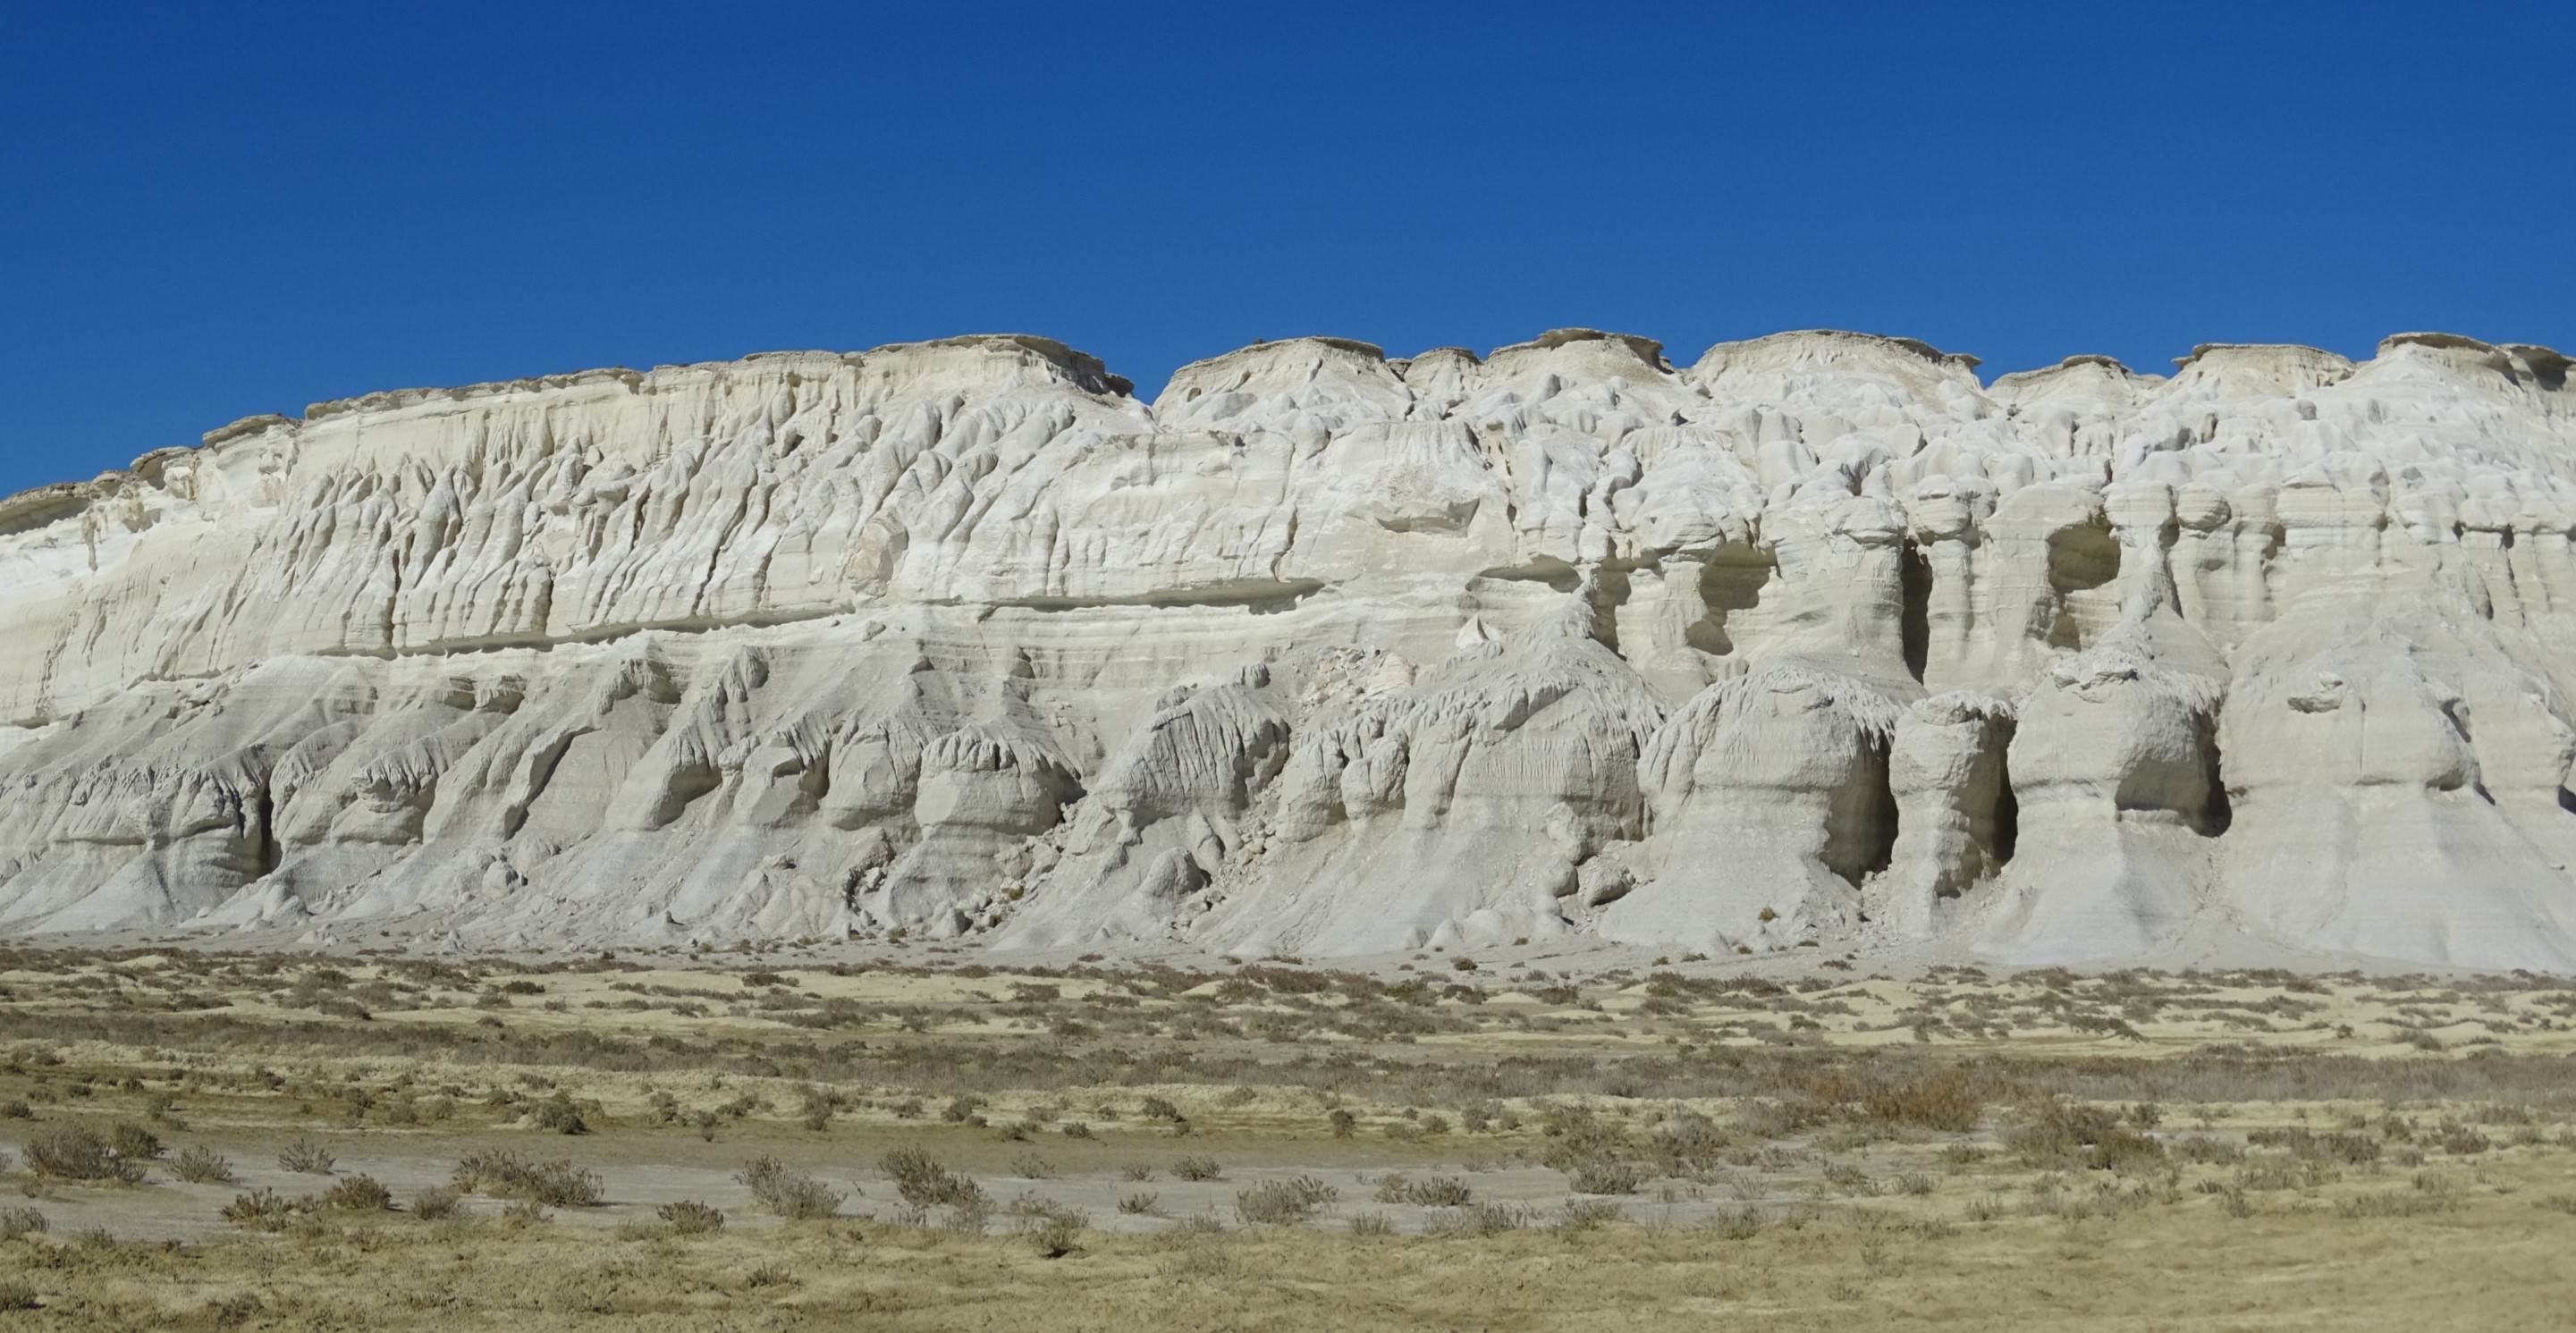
[[1818, 639]]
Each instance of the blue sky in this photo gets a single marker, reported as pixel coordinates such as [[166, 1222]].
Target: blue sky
[[215, 211]]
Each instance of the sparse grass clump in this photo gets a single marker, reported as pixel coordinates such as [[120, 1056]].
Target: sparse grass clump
[[689, 1217], [16, 1222], [358, 1194], [1434, 1192], [505, 1175], [438, 1202], [924, 1182], [264, 1210], [1587, 1214], [787, 1192], [1283, 1202], [2063, 1135], [133, 1142], [307, 1158], [1485, 1219], [78, 1152], [201, 1165], [1606, 1178], [1198, 1169]]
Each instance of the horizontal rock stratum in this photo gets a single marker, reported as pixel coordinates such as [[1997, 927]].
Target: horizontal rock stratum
[[1819, 639]]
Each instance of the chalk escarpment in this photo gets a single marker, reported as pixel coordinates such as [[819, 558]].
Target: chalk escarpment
[[1816, 640]]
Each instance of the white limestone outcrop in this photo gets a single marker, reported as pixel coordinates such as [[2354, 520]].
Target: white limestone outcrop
[[1819, 640]]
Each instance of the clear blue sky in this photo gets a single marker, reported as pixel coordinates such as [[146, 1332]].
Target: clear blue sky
[[213, 211]]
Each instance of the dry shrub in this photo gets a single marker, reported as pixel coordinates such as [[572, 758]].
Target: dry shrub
[[922, 1181], [1436, 1192], [557, 1114], [1283, 1202], [787, 1192], [2307, 1145], [358, 1194], [77, 1152], [2395, 1203], [1949, 1101], [1485, 1219], [1606, 1178], [133, 1142], [2060, 1134], [1052, 1229], [437, 1203], [305, 1157], [505, 1175], [200, 1165], [689, 1217], [1586, 1214], [1742, 1224], [16, 1222], [264, 1210], [1198, 1168]]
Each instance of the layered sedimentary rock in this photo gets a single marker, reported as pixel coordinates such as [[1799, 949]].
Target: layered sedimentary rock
[[1818, 641]]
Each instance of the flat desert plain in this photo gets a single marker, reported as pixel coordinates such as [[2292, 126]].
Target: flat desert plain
[[918, 1138]]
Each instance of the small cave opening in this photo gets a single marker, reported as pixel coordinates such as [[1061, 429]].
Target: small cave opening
[[1861, 833], [1914, 620], [2082, 561], [2217, 813], [270, 854], [1732, 580], [2004, 834]]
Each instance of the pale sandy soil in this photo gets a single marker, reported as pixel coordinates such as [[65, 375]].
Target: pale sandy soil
[[1656, 1147]]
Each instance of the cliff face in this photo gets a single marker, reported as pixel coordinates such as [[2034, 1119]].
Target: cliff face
[[1816, 639]]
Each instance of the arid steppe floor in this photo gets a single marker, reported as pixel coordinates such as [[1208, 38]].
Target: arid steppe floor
[[752, 1140]]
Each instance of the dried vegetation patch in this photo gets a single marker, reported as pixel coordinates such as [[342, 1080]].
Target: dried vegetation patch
[[219, 1141]]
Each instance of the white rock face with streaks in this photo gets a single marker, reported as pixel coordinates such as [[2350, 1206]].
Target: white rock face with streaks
[[1817, 640]]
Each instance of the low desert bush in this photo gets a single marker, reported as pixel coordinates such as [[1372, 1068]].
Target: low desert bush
[[689, 1217], [922, 1181], [77, 1152], [358, 1194], [787, 1192], [305, 1157], [1484, 1219], [1435, 1192], [1605, 1178], [2059, 1134], [438, 1202], [1948, 1101], [557, 1114], [2339, 1148], [1197, 1168], [505, 1175], [1053, 1230], [1586, 1214], [1283, 1202], [201, 1165], [264, 1210], [133, 1142], [16, 1222]]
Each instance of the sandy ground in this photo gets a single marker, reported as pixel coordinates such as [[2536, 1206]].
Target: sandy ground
[[1508, 1145]]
